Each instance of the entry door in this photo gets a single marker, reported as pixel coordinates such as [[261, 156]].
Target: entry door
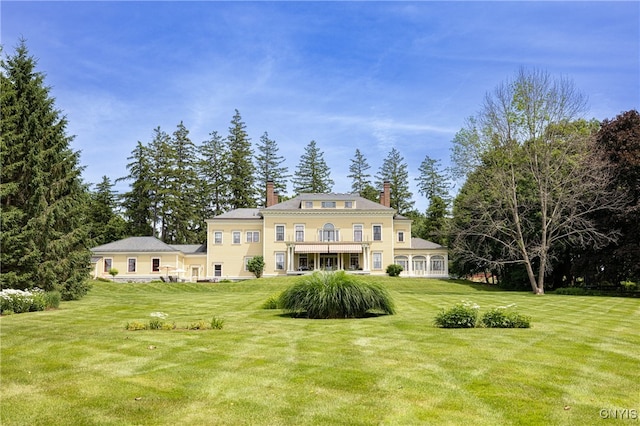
[[328, 261], [195, 272]]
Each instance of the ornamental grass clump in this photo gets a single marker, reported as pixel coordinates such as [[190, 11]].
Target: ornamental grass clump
[[325, 295]]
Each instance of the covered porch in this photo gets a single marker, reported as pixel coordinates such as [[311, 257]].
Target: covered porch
[[305, 258]]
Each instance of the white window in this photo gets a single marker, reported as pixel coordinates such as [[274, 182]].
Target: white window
[[280, 261], [217, 269], [357, 233], [108, 264], [308, 204], [155, 264], [253, 236], [377, 260], [402, 261], [329, 233], [299, 233], [437, 263], [217, 237], [401, 236], [377, 232], [131, 264], [279, 232], [236, 237], [246, 263], [328, 204], [348, 204]]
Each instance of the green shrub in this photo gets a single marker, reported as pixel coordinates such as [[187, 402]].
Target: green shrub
[[629, 285], [272, 302], [504, 317], [217, 323], [52, 299], [462, 315], [394, 270], [156, 324], [335, 295], [198, 325], [256, 265], [135, 325], [168, 326]]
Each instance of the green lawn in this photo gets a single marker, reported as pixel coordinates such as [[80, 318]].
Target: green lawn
[[78, 365]]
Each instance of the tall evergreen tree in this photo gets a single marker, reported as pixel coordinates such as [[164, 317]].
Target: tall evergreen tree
[[269, 167], [394, 170], [181, 223], [106, 224], [312, 174], [138, 201], [43, 200], [161, 166], [432, 183], [359, 176], [214, 175], [241, 169]]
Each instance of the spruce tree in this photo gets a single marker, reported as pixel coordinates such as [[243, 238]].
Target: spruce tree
[[106, 224], [241, 169], [394, 170], [269, 167], [312, 174], [138, 201], [181, 222], [213, 173], [43, 200], [359, 177]]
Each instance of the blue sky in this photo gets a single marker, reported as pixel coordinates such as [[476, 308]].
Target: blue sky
[[366, 75]]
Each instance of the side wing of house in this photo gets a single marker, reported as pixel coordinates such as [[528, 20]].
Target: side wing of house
[[423, 259], [233, 238]]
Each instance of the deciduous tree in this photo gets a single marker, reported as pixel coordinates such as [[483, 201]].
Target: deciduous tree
[[540, 181]]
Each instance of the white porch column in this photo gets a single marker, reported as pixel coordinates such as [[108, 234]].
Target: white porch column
[[365, 258], [290, 254]]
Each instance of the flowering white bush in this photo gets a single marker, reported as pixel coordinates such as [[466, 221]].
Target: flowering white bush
[[18, 301]]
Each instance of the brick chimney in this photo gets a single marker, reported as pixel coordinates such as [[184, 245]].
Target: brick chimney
[[385, 195], [271, 196]]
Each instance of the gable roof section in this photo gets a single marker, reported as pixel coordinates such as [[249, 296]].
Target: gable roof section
[[190, 248]]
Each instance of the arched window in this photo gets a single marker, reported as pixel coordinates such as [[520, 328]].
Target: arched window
[[328, 233], [437, 263], [419, 265], [402, 261]]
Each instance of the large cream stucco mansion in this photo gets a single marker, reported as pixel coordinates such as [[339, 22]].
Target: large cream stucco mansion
[[306, 233]]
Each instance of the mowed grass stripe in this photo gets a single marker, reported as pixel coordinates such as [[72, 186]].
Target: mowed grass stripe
[[78, 365]]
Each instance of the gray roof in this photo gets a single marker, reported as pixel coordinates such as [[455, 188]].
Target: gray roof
[[361, 203], [190, 248], [419, 243], [241, 214], [134, 244]]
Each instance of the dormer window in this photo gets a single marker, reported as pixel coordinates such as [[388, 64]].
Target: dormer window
[[328, 204], [348, 204], [308, 204]]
